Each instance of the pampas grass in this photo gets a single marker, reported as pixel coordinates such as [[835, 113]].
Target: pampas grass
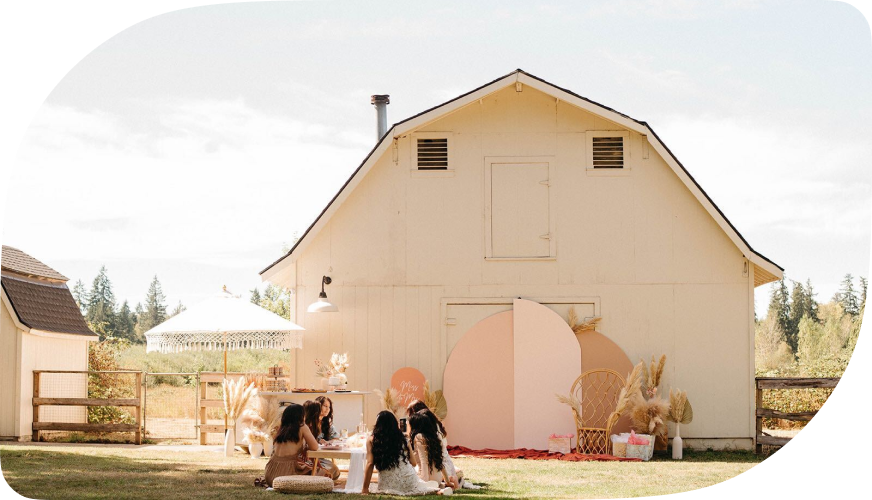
[[435, 401], [653, 375], [389, 400], [584, 326], [265, 416], [573, 403], [680, 410], [632, 386], [236, 396], [648, 415], [256, 436]]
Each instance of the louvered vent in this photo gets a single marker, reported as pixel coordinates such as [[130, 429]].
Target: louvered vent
[[433, 154], [608, 152]]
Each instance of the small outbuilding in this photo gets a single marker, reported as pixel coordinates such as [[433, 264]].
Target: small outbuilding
[[41, 328]]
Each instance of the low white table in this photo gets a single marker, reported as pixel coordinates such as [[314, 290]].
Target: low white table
[[347, 406], [356, 458]]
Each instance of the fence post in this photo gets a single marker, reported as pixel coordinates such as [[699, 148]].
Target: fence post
[[138, 409], [758, 448], [202, 408], [35, 436]]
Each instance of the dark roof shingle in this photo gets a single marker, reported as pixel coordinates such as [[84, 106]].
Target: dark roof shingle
[[13, 259], [44, 305]]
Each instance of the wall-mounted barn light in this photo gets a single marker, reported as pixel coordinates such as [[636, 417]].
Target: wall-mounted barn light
[[322, 305]]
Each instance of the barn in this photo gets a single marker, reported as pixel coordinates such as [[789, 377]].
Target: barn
[[523, 189], [41, 328]]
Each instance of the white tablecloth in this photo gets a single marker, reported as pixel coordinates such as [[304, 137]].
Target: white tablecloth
[[354, 484]]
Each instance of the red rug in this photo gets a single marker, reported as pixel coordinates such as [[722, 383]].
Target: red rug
[[462, 451]]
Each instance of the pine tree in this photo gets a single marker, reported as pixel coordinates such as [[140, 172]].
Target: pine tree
[[779, 308], [848, 296], [126, 322], [155, 309], [100, 309], [798, 307], [812, 306], [255, 296], [80, 295], [864, 284], [138, 316], [178, 309]]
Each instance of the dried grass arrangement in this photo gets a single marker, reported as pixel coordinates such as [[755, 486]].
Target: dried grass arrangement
[[648, 415], [584, 326], [389, 400], [435, 401], [265, 416], [256, 436], [236, 396], [632, 386], [572, 402], [653, 375], [680, 410]]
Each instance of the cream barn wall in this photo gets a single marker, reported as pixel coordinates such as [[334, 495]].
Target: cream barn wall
[[10, 337], [663, 274]]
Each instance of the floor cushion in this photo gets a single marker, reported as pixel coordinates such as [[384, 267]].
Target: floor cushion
[[303, 484]]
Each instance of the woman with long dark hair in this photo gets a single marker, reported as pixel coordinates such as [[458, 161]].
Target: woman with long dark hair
[[328, 432], [427, 444], [418, 405], [388, 451], [292, 440], [312, 419]]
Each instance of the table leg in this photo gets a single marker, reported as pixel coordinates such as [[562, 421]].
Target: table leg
[[315, 467]]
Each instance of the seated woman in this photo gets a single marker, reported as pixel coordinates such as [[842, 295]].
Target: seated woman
[[455, 475], [427, 445], [291, 441], [388, 451], [312, 419], [328, 432]]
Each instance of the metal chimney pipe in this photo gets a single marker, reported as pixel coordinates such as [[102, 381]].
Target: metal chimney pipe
[[381, 101]]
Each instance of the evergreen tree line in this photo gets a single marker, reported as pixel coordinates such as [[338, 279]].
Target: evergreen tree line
[[112, 321], [801, 337], [274, 298]]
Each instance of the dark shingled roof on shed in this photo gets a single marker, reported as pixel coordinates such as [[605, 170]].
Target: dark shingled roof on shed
[[45, 306], [13, 259]]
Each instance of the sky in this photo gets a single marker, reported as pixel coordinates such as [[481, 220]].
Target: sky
[[196, 144]]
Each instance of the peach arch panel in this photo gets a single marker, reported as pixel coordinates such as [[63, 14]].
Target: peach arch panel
[[547, 361], [600, 352], [479, 385]]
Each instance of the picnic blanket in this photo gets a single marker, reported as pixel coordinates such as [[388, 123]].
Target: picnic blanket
[[462, 451]]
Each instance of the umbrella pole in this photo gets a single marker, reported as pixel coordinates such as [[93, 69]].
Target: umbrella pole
[[225, 378]]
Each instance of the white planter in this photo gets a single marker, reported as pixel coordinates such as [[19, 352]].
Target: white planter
[[255, 449], [268, 448], [229, 442]]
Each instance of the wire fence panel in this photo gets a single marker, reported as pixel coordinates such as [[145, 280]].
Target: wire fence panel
[[171, 405]]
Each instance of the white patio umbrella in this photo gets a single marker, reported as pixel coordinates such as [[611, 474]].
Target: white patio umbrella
[[224, 322]]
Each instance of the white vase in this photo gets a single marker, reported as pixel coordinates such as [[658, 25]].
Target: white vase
[[268, 448], [229, 441], [343, 380], [677, 445], [255, 449]]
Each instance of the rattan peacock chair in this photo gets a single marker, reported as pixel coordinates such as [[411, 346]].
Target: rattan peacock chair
[[597, 392]]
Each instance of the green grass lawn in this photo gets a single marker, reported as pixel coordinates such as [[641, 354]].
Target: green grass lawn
[[110, 472]]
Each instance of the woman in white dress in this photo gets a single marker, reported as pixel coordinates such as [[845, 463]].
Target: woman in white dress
[[388, 451]]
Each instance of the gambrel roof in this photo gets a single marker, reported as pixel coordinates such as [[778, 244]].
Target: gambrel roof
[[767, 270]]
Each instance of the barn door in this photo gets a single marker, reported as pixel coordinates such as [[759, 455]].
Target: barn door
[[519, 210]]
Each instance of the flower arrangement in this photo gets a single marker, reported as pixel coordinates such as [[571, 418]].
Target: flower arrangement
[[265, 417], [647, 410], [389, 401], [338, 364]]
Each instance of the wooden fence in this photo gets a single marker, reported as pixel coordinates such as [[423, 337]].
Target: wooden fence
[[135, 403], [764, 383], [207, 378]]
